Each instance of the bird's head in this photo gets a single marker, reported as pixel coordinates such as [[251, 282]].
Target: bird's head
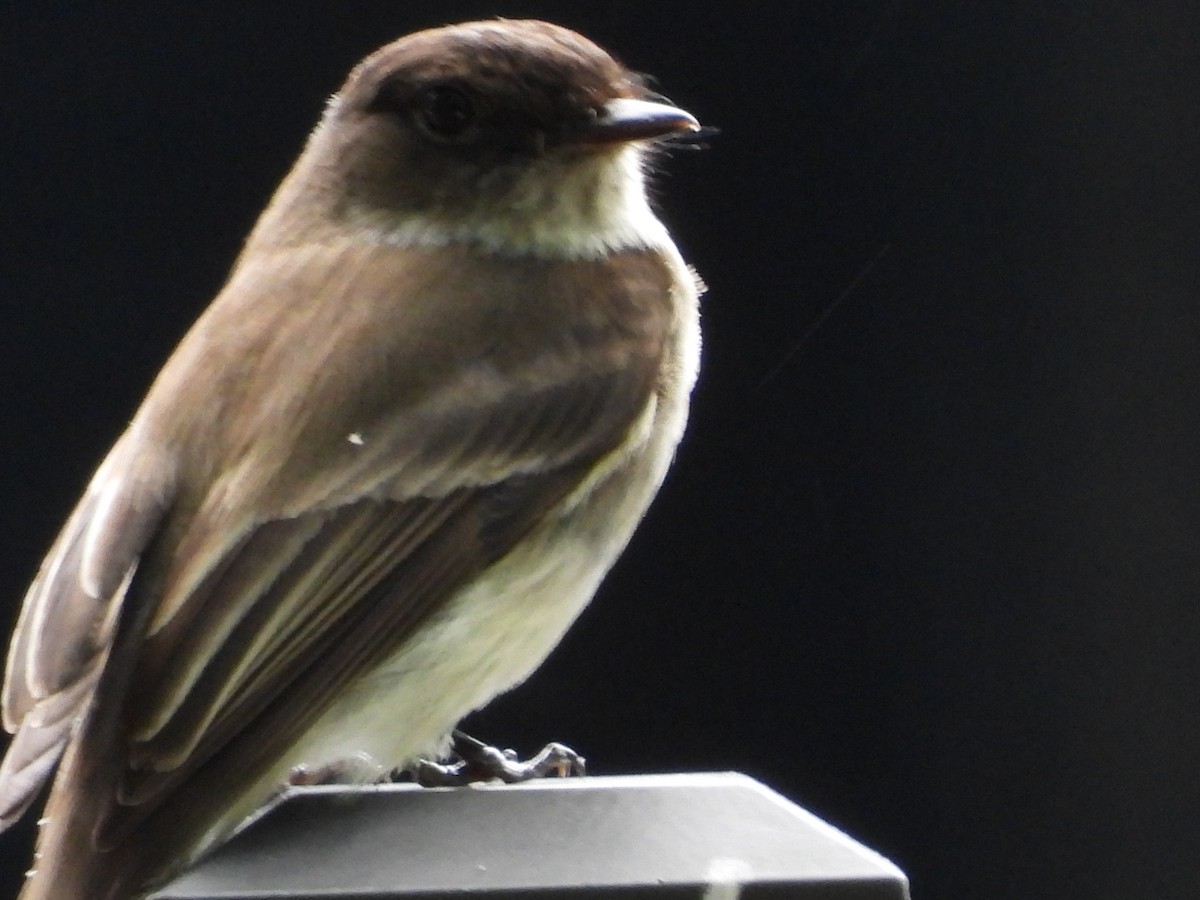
[[520, 136]]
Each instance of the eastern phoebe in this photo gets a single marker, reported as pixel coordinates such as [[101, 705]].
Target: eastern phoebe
[[383, 472]]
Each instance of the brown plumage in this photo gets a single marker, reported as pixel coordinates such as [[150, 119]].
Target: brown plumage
[[381, 474]]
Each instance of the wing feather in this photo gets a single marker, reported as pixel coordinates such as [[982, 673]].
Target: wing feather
[[365, 615], [66, 624], [260, 599]]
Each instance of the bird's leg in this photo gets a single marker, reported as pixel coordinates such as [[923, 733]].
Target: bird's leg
[[478, 761], [359, 768]]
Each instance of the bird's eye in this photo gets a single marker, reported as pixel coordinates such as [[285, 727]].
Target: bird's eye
[[446, 112]]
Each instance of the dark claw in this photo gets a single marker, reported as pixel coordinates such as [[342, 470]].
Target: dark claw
[[481, 762]]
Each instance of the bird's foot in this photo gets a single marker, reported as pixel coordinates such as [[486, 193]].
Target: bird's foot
[[357, 769], [478, 761]]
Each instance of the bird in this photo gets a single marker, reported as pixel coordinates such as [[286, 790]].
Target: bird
[[383, 472]]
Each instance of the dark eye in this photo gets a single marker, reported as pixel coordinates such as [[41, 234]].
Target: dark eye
[[445, 111]]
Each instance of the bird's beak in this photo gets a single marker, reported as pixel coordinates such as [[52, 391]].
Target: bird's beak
[[626, 119]]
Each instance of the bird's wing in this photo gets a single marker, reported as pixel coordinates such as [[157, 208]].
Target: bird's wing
[[70, 612], [237, 639]]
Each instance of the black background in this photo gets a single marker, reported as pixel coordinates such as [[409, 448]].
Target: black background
[[931, 568]]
